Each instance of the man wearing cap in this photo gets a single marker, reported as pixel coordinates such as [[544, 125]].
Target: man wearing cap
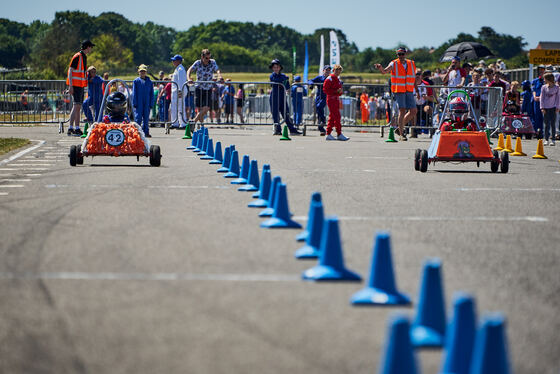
[[321, 97], [143, 99], [77, 81], [179, 78], [95, 95], [205, 69], [536, 85], [403, 86], [278, 102], [298, 92]]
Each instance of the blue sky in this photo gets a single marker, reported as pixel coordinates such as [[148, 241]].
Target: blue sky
[[369, 23]]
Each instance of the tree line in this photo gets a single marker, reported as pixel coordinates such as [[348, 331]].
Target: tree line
[[121, 45]]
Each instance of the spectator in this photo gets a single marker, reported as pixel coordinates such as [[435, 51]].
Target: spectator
[[497, 82], [468, 77], [512, 99], [228, 97], [216, 102], [278, 104], [177, 101], [320, 98], [537, 84], [420, 98], [527, 99], [205, 69], [501, 65], [372, 107], [23, 100], [476, 93], [364, 98], [333, 88], [550, 106], [380, 108], [455, 76], [77, 81], [143, 99], [403, 85], [105, 81], [430, 98], [298, 92], [168, 89], [162, 103], [239, 101], [95, 95]]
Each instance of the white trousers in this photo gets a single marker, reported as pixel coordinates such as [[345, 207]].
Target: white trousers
[[177, 112]]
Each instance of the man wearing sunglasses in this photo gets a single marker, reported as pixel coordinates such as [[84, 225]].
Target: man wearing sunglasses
[[403, 86]]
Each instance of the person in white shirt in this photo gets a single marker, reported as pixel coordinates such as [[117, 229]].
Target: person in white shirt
[[177, 97]]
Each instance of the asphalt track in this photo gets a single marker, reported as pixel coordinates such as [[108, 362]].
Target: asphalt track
[[118, 267]]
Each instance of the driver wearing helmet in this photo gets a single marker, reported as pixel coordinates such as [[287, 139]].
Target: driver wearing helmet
[[459, 110], [116, 108]]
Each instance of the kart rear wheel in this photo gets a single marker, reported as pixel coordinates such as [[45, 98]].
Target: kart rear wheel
[[79, 155], [155, 155], [495, 163], [417, 159], [73, 155], [504, 166], [424, 161]]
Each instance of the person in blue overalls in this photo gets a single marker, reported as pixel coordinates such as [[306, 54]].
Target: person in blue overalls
[[537, 118], [298, 92], [95, 95], [526, 99], [321, 98], [278, 102], [143, 99]]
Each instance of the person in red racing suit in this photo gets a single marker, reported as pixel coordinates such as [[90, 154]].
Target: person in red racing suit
[[459, 110], [332, 87]]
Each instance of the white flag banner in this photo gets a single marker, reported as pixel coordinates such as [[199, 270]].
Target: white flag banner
[[322, 62], [335, 49]]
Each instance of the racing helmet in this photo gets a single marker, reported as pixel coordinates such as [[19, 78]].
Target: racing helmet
[[458, 108], [116, 104]]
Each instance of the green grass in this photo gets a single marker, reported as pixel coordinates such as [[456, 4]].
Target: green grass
[[9, 144]]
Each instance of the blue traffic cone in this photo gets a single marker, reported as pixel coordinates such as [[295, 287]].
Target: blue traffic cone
[[226, 161], [205, 130], [193, 141], [217, 154], [264, 191], [257, 195], [200, 143], [302, 236], [204, 148], [244, 173], [281, 218], [459, 341], [428, 328], [209, 151], [331, 262], [315, 224], [252, 179], [381, 288], [490, 352], [269, 210], [233, 166], [398, 357]]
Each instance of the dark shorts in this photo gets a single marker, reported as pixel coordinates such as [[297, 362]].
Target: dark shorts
[[228, 108], [78, 95], [202, 97], [405, 100], [215, 104], [239, 103]]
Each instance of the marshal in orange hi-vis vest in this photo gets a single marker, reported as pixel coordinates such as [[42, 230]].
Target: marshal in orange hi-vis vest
[[77, 77], [402, 80]]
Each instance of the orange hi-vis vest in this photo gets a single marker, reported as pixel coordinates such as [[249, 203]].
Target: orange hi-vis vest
[[77, 77], [402, 80]]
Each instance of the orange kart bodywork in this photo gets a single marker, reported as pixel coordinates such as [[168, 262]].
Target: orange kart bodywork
[[460, 146], [115, 139]]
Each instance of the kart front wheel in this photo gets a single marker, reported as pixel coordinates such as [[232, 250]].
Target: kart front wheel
[[424, 161], [495, 163], [417, 159], [73, 155], [155, 155], [504, 166], [79, 155]]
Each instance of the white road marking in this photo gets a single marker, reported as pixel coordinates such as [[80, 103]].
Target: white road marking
[[133, 186], [152, 276], [22, 153], [427, 218], [11, 185], [30, 164], [17, 169], [4, 193], [32, 175], [15, 180], [510, 189]]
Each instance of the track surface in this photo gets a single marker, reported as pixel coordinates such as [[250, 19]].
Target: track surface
[[118, 267]]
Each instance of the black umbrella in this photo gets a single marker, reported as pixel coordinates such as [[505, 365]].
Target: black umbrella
[[466, 51]]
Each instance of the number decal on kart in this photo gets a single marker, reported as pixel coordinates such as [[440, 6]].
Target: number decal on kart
[[517, 124], [114, 137]]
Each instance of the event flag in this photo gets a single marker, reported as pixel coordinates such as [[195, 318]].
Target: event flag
[[335, 49]]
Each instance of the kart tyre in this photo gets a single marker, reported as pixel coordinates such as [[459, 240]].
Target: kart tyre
[[417, 159], [424, 161], [73, 155], [79, 155], [504, 166], [495, 163], [155, 155]]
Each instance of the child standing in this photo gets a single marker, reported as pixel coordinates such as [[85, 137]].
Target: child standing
[[550, 106], [333, 88], [278, 104], [227, 97]]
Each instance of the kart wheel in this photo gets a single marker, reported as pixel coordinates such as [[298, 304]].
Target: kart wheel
[[424, 161], [504, 166], [417, 159], [495, 163], [79, 155], [155, 155], [73, 155]]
